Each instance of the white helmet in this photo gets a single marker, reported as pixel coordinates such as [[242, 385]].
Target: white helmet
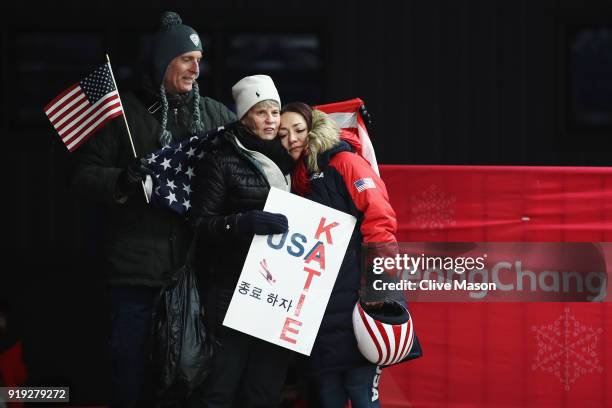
[[384, 335]]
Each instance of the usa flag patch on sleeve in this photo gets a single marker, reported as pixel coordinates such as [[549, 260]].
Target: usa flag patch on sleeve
[[364, 184]]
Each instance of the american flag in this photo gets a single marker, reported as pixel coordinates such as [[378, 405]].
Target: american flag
[[85, 107], [364, 184], [175, 165], [175, 169]]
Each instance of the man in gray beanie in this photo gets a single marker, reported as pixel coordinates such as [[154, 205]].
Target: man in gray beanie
[[144, 244]]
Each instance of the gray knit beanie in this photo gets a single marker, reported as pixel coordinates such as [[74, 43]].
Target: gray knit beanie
[[173, 39]]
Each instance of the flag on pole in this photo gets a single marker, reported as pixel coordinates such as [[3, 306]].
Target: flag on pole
[[82, 109], [346, 115]]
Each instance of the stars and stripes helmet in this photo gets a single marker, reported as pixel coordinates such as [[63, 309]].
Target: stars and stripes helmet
[[385, 334]]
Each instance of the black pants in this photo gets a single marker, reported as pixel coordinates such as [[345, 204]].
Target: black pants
[[131, 309], [247, 372], [358, 385]]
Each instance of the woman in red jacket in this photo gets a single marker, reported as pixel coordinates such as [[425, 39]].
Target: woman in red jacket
[[328, 171]]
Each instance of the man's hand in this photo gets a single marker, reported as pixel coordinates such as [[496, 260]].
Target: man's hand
[[132, 177]]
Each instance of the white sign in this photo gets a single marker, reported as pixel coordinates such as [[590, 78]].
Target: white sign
[[287, 279]]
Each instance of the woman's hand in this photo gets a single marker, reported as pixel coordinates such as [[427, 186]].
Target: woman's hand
[[258, 222]]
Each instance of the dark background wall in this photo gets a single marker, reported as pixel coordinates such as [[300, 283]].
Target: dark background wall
[[447, 82]]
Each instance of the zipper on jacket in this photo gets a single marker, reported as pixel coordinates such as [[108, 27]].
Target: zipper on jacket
[[175, 115]]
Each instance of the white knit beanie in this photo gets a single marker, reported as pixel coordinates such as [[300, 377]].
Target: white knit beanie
[[251, 90]]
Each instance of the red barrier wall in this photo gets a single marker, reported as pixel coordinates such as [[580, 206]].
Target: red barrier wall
[[504, 354]]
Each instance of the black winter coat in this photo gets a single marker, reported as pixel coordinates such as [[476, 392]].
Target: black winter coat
[[143, 244], [228, 183]]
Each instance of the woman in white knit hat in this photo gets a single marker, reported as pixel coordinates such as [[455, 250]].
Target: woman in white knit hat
[[231, 188]]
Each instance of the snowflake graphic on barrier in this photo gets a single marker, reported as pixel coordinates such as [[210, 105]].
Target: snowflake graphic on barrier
[[432, 209], [567, 349]]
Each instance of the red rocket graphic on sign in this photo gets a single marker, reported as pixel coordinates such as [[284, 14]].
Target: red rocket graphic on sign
[[266, 272]]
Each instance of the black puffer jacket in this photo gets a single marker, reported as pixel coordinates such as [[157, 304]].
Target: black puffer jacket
[[229, 182], [143, 244]]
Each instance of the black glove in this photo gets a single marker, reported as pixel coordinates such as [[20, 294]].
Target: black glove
[[131, 178], [261, 223]]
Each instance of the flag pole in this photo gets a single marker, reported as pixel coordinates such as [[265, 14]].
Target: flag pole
[[125, 121]]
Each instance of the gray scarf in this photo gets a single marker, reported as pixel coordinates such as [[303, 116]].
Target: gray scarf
[[196, 125]]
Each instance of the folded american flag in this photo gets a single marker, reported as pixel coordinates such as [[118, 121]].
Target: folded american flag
[[175, 169]]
